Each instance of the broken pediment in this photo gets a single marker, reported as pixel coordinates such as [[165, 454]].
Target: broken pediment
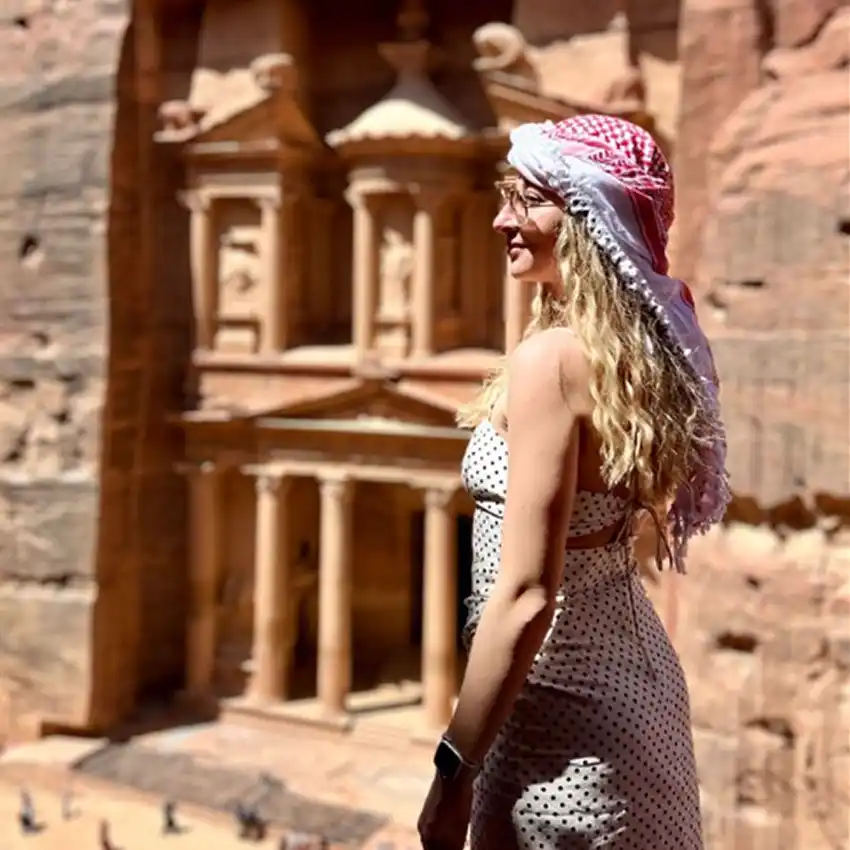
[[515, 101], [368, 401], [276, 118], [511, 82], [265, 116]]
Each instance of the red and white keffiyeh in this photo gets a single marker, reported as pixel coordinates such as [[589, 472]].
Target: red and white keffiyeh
[[613, 174]]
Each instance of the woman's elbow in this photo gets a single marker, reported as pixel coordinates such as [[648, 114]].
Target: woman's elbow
[[528, 605]]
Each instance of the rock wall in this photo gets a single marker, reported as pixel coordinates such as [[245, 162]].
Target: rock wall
[[763, 625], [764, 638], [94, 346], [141, 555], [57, 83]]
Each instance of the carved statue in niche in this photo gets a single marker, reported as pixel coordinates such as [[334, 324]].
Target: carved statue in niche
[[397, 263], [239, 279]]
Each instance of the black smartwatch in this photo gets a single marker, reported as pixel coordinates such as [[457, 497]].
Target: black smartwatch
[[451, 765]]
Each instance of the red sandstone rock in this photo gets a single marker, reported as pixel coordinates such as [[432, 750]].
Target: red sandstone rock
[[94, 264]]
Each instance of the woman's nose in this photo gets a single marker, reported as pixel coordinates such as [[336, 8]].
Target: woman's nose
[[506, 218]]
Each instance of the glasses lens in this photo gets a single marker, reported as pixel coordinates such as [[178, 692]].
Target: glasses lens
[[511, 195]]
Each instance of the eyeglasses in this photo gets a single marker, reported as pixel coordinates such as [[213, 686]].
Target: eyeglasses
[[521, 199]]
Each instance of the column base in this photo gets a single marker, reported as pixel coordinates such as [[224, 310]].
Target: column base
[[284, 714], [261, 699], [390, 724]]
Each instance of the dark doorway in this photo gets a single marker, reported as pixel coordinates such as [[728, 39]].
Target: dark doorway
[[463, 554]]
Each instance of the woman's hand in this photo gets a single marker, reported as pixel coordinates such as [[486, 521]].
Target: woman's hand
[[445, 816]]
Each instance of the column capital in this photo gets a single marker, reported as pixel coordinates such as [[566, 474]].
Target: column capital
[[195, 200], [270, 482], [359, 198], [267, 203], [430, 199], [438, 497], [335, 486]]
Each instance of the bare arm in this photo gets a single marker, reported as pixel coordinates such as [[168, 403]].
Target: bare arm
[[544, 408]]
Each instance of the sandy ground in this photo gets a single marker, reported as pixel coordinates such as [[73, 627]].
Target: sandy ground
[[135, 821], [340, 773], [135, 824]]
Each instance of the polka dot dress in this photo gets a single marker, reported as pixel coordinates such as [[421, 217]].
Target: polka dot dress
[[597, 752]]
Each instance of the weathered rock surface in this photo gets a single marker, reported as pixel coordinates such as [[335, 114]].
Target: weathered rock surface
[[762, 621], [763, 630], [58, 64], [771, 255], [774, 255]]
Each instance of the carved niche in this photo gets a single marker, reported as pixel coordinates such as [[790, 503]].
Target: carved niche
[[469, 270], [241, 281], [396, 267], [250, 160]]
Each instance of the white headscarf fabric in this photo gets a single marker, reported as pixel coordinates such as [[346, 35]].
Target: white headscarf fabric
[[614, 175]]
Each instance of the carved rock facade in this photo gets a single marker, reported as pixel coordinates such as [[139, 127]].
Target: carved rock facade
[[243, 297]]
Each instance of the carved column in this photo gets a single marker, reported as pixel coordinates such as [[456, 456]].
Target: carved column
[[335, 592], [428, 205], [204, 569], [203, 250], [365, 271], [272, 583], [517, 301], [439, 620], [274, 327]]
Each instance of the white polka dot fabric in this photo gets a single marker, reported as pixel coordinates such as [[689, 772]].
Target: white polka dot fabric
[[597, 752]]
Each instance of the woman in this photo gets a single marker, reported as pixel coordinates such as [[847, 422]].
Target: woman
[[572, 728]]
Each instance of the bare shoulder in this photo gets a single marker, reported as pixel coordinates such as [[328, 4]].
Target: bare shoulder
[[549, 369]]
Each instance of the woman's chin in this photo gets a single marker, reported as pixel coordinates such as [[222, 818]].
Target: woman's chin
[[519, 267], [523, 273]]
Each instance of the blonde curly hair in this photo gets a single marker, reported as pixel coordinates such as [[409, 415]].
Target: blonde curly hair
[[648, 406]]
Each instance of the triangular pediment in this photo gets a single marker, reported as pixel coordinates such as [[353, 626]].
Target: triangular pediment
[[515, 100], [371, 400], [273, 117]]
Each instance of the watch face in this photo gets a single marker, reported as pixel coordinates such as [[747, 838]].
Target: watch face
[[447, 761]]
